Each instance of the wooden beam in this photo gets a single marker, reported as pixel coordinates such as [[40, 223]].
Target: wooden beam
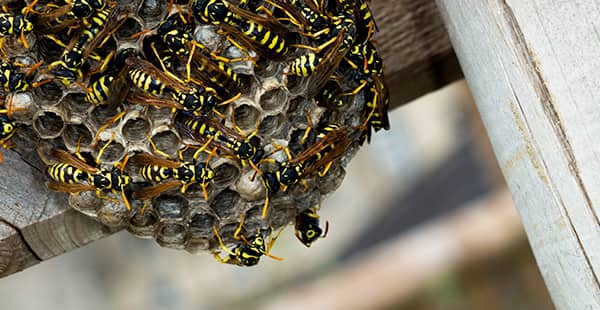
[[534, 72], [415, 48], [36, 224]]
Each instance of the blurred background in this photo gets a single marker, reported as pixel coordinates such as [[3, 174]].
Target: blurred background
[[421, 221]]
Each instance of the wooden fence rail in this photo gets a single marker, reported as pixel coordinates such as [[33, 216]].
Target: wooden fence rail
[[534, 69]]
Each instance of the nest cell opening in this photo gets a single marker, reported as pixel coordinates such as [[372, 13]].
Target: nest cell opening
[[246, 117], [77, 134], [136, 129], [48, 124], [171, 207], [273, 99]]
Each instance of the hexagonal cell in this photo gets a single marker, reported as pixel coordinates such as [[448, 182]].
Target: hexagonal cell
[[264, 67], [75, 104], [128, 28], [113, 153], [113, 214], [152, 11], [131, 6], [207, 35], [274, 99], [200, 225], [233, 52], [167, 141], [246, 117], [226, 204], [49, 124], [173, 236], [250, 186], [226, 232], [16, 47], [296, 85], [24, 107], [226, 172], [171, 208], [271, 125], [144, 225], [49, 93], [77, 134], [101, 114], [159, 115], [136, 129]]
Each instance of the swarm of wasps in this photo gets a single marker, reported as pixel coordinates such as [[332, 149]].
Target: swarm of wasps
[[325, 46]]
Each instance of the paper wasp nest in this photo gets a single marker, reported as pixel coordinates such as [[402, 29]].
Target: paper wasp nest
[[55, 116]]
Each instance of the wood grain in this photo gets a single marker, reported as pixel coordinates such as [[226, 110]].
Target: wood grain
[[415, 48], [533, 68], [36, 225]]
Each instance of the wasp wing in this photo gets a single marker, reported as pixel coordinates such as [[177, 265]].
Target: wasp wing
[[65, 157], [155, 190]]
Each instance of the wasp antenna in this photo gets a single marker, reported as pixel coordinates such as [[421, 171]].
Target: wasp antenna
[[326, 229]]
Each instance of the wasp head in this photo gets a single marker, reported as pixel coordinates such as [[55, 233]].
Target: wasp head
[[7, 127]]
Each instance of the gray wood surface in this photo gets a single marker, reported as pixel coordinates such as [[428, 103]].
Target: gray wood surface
[[36, 225], [534, 69]]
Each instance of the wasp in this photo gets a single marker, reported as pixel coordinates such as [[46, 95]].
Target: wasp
[[146, 77], [329, 145], [217, 72], [173, 35], [112, 82], [7, 130], [264, 35], [13, 80], [18, 25], [213, 133], [54, 18], [175, 173], [249, 252], [369, 76], [307, 227], [321, 64], [375, 112], [95, 33], [76, 173]]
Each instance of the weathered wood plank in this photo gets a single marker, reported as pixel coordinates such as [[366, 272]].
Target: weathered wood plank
[[415, 48], [36, 224], [533, 68]]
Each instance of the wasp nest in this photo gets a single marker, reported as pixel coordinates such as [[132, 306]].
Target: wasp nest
[[296, 87]]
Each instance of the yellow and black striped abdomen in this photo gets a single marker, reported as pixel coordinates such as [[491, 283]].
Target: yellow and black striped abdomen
[[67, 174], [304, 65], [99, 90], [155, 173], [146, 82], [264, 37]]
